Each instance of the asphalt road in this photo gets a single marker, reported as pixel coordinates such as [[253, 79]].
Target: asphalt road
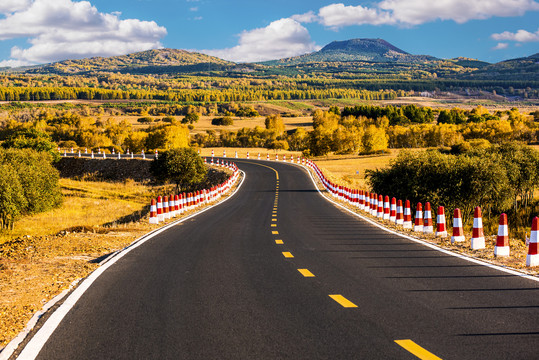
[[221, 286]]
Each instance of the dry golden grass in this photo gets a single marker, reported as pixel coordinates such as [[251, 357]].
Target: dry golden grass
[[85, 204], [290, 123], [350, 170]]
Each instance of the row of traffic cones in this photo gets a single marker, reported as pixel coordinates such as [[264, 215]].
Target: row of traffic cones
[[167, 207], [394, 211]]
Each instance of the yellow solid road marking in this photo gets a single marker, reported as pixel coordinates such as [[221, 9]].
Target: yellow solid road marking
[[343, 301], [306, 273], [275, 233], [417, 350], [287, 254], [269, 167], [279, 242]]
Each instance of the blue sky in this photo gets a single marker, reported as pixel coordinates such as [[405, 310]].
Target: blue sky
[[41, 31]]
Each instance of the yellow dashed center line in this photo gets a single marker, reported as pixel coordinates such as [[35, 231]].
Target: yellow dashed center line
[[417, 350], [343, 301], [306, 273], [287, 254], [275, 233], [273, 225], [273, 219], [279, 242]]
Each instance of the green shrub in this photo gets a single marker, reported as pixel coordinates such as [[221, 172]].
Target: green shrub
[[31, 187], [145, 120], [183, 166], [222, 121]]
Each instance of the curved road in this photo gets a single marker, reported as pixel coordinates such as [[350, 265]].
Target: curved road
[[252, 279]]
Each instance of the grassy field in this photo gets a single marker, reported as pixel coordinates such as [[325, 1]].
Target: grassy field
[[289, 122], [350, 170]]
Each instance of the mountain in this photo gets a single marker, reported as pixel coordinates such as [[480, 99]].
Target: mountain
[[146, 62], [521, 68], [372, 50]]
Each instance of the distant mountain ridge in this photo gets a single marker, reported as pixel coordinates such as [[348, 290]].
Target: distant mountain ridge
[[354, 58], [374, 50], [525, 67], [149, 61]]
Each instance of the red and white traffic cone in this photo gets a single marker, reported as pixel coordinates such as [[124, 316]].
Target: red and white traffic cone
[[387, 210], [236, 154], [177, 204], [478, 239], [367, 207], [361, 200], [153, 213], [458, 231], [440, 222], [160, 216], [407, 224], [267, 157], [166, 215], [380, 207], [258, 156], [532, 259], [224, 153], [212, 153], [427, 224], [393, 210], [374, 204], [292, 158], [247, 154], [156, 154], [418, 222], [171, 208], [399, 219], [284, 157], [502, 241]]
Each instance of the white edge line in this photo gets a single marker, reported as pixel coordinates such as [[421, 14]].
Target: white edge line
[[34, 346], [432, 246]]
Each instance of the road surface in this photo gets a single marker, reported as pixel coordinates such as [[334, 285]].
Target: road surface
[[278, 272]]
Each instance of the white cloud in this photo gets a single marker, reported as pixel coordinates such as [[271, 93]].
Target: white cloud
[[308, 17], [63, 29], [500, 46], [194, 8], [280, 39], [337, 15], [520, 36], [10, 6], [13, 63], [416, 12]]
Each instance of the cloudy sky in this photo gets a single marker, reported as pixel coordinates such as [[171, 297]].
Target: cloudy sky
[[42, 31]]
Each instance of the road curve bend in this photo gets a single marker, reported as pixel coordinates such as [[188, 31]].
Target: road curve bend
[[278, 272]]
